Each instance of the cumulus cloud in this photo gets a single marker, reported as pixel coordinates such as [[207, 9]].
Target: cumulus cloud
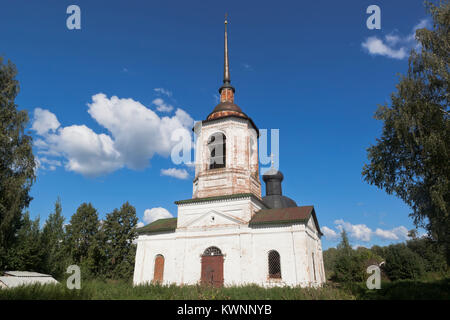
[[356, 231], [44, 121], [361, 232], [176, 173], [394, 45], [330, 234], [161, 106], [154, 214], [135, 134], [376, 46], [399, 233]]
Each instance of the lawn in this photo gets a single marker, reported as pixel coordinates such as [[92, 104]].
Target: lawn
[[114, 290]]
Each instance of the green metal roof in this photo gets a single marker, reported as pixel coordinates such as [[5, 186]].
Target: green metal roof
[[160, 225], [216, 198]]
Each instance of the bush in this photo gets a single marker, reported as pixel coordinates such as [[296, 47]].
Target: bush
[[403, 263]]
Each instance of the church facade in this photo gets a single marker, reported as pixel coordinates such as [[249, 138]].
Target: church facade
[[227, 233]]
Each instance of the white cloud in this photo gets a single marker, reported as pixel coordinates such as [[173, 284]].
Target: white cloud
[[161, 106], [163, 91], [376, 46], [154, 214], [399, 233], [135, 135], [329, 234], [176, 173], [394, 46], [364, 233], [44, 121], [356, 231]]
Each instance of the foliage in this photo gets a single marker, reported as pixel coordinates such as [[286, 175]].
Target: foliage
[[349, 265], [17, 162], [403, 263], [411, 159], [120, 231], [27, 253], [81, 233], [431, 252], [53, 237]]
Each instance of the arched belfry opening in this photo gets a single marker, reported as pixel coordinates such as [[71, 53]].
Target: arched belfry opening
[[217, 147], [212, 267]]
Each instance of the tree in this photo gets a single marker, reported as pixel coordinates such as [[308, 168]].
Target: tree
[[53, 237], [411, 159], [403, 263], [120, 231], [431, 252], [27, 253], [82, 232], [17, 162]]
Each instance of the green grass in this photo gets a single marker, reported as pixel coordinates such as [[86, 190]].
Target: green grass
[[120, 290]]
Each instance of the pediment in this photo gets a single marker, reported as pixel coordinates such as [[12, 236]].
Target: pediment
[[212, 219]]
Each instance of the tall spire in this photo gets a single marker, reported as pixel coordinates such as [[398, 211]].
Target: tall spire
[[226, 64], [226, 67]]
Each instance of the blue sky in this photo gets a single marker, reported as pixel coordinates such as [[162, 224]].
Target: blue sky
[[311, 69]]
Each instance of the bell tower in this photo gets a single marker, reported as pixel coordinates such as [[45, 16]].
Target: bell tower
[[227, 146]]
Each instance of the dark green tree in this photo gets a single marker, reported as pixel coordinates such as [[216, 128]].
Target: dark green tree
[[53, 236], [17, 164], [346, 268], [431, 252], [82, 232], [345, 243], [120, 231], [27, 253], [403, 263], [411, 159]]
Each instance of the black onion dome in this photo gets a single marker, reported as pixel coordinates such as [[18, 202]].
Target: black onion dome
[[273, 174], [274, 197]]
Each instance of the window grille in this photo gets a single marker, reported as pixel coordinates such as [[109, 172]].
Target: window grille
[[274, 265], [212, 251]]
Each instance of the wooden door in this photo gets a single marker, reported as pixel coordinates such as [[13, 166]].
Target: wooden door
[[212, 271], [158, 273]]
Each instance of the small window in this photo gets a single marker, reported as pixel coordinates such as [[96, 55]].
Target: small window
[[217, 150], [274, 265]]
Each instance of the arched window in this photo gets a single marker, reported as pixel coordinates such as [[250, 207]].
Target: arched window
[[274, 265], [212, 251], [158, 273], [217, 150]]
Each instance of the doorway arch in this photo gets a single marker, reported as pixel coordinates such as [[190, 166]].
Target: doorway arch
[[212, 267], [158, 273]]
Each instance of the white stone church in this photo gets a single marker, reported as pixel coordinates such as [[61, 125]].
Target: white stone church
[[228, 234]]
